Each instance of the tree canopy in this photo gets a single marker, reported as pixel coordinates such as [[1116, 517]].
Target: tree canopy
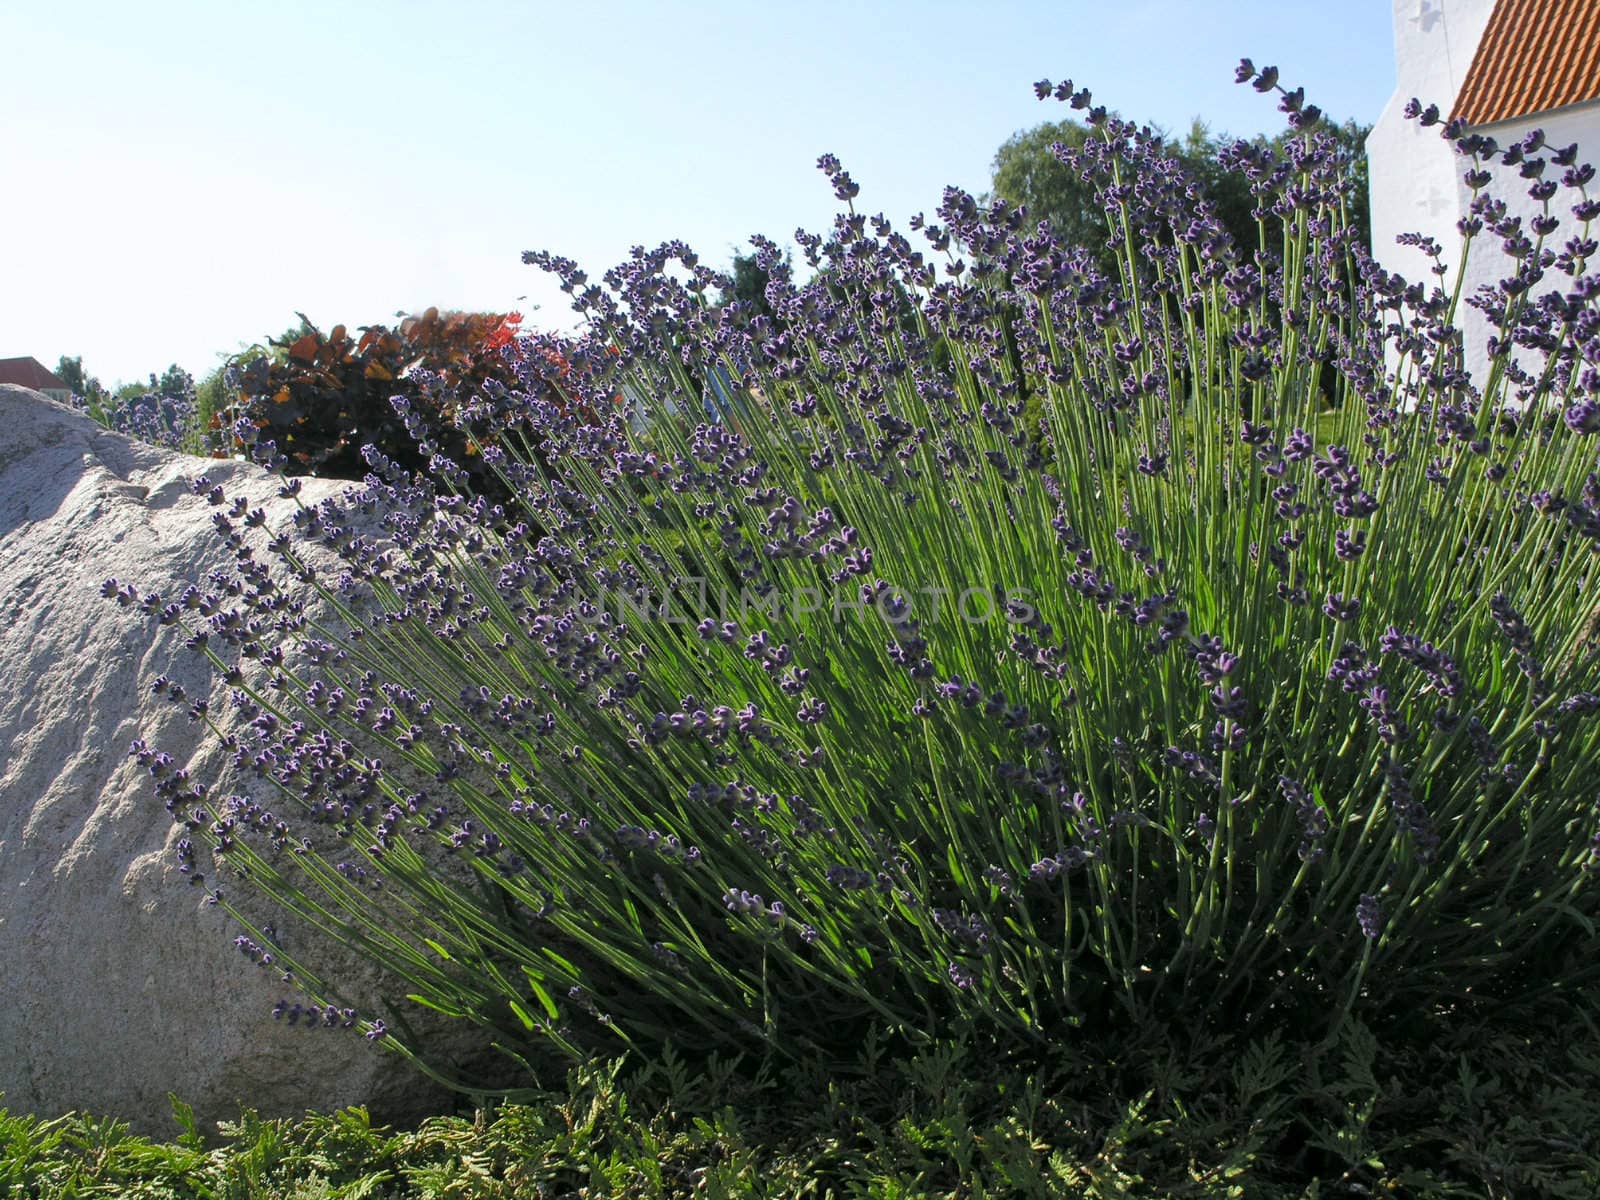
[[71, 372], [1026, 170]]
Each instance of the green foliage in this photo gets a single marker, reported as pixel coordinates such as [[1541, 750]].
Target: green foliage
[[161, 411], [748, 286], [1453, 1111], [1026, 170], [174, 382], [70, 371], [320, 398], [1103, 830], [214, 397]]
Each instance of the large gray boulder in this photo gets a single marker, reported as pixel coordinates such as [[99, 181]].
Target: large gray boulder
[[118, 984]]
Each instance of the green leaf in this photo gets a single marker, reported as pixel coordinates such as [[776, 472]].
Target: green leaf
[[522, 1014], [956, 873], [563, 963], [541, 993], [436, 1005]]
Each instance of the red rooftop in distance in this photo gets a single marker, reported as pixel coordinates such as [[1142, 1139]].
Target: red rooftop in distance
[[29, 372]]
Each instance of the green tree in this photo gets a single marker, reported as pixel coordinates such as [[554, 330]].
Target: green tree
[[1226, 189], [1350, 138], [213, 398], [71, 372], [1027, 171], [749, 285], [132, 391], [174, 381], [170, 383]]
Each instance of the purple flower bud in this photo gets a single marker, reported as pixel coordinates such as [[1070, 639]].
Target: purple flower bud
[[1341, 607], [1368, 915], [1583, 417]]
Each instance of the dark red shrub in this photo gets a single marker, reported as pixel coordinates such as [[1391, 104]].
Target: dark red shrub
[[326, 395]]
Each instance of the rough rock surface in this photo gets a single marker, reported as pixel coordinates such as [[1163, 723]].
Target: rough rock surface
[[117, 984]]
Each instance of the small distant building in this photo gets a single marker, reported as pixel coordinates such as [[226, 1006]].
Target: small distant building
[[31, 373], [1506, 68]]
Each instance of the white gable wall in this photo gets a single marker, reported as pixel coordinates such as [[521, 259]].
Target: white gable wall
[[1487, 264], [1414, 178], [1416, 184]]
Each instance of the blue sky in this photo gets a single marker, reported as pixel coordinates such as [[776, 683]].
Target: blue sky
[[182, 177]]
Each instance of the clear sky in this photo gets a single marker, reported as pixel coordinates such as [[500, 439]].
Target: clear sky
[[180, 178]]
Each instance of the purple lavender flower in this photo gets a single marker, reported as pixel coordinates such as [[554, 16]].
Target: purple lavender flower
[[1583, 417], [1369, 916], [1340, 607], [1137, 423]]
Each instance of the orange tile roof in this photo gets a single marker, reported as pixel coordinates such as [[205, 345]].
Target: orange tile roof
[[1534, 55]]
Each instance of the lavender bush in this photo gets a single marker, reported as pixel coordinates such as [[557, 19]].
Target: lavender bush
[[1258, 679], [169, 419]]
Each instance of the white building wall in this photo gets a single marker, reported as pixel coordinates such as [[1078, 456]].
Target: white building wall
[[1414, 181], [1487, 264], [1416, 178]]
